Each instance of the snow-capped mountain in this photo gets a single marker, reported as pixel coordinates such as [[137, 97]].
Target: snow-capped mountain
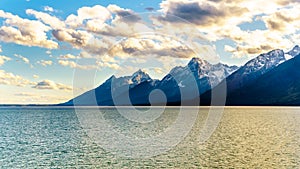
[[264, 62], [112, 87], [278, 87], [257, 67], [268, 61], [252, 70], [139, 77], [198, 75], [294, 52], [207, 75]]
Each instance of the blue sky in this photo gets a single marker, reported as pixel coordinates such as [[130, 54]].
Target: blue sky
[[43, 42]]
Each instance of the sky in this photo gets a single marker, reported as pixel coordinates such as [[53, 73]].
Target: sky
[[45, 45]]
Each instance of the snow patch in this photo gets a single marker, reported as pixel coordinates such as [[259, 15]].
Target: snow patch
[[288, 57], [180, 84]]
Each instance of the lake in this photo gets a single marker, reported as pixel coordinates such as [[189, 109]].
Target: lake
[[245, 137]]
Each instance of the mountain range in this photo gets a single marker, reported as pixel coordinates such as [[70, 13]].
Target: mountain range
[[269, 79]]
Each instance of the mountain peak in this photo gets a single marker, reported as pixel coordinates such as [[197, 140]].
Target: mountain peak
[[196, 64], [196, 60], [295, 51], [140, 76], [111, 78]]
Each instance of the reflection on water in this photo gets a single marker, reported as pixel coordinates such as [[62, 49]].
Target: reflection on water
[[245, 138]]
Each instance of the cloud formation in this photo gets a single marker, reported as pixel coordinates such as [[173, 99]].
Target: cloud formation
[[25, 32], [74, 65], [117, 32], [221, 19], [48, 9], [91, 15], [24, 59], [68, 56], [3, 59], [52, 21], [51, 85], [45, 62], [14, 80]]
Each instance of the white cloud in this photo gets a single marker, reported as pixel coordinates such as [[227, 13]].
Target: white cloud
[[48, 9], [102, 64], [96, 14], [68, 56], [25, 32], [24, 59], [221, 19], [74, 65], [3, 59], [153, 46], [48, 52], [0, 48], [14, 80], [78, 38], [51, 85], [35, 76], [286, 20], [97, 29], [52, 21], [125, 23], [45, 62]]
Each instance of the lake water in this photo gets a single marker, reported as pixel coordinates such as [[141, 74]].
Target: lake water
[[58, 138]]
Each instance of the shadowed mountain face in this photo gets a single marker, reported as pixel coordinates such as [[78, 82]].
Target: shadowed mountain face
[[280, 86], [182, 83], [258, 68]]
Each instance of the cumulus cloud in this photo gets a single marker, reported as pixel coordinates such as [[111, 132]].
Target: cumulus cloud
[[154, 46], [68, 56], [201, 13], [24, 59], [25, 32], [52, 21], [48, 52], [78, 38], [36, 76], [221, 19], [102, 64], [285, 20], [91, 15], [48, 9], [3, 59], [45, 62], [98, 29], [7, 78], [125, 15], [74, 65], [124, 23], [108, 62], [51, 85]]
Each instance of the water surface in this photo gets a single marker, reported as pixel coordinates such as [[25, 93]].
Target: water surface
[[245, 138]]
